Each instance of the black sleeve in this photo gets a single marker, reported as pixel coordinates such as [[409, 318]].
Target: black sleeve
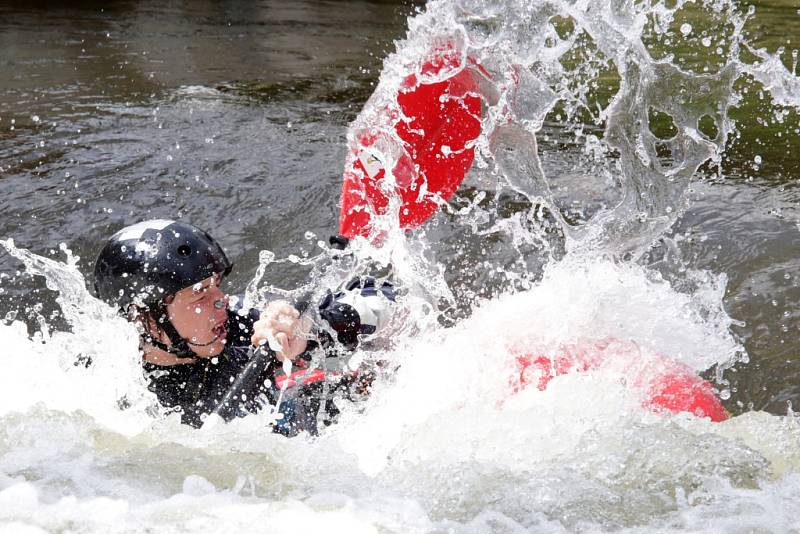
[[179, 389], [245, 378]]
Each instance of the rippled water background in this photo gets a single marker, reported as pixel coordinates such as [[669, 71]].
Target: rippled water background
[[233, 116]]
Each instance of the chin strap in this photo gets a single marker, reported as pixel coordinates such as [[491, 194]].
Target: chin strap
[[178, 345]]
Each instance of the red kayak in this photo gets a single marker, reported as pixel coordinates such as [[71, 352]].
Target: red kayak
[[665, 385]]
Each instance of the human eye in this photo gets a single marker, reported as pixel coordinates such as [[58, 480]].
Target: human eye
[[200, 295]]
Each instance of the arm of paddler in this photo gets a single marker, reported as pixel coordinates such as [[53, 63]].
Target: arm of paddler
[[363, 306]]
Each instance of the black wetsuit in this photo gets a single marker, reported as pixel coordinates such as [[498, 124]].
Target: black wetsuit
[[196, 389], [199, 388]]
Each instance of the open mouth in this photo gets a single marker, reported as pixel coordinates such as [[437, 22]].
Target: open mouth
[[220, 331]]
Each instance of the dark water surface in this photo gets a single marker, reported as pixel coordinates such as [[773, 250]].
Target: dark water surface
[[232, 115]]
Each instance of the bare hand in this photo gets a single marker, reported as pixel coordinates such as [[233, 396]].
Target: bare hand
[[280, 324]]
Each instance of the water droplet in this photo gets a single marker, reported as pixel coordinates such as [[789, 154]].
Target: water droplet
[[686, 28], [35, 118], [757, 159], [706, 41]]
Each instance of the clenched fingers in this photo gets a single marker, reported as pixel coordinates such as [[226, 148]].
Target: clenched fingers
[[281, 322]]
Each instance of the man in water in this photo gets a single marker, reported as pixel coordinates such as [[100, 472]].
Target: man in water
[[199, 356]]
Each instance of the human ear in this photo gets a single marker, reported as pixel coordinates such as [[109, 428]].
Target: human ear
[[145, 323]]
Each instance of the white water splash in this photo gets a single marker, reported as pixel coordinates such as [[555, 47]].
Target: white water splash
[[94, 368], [443, 445]]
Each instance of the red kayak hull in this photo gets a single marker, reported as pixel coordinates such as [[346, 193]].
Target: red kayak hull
[[665, 384]]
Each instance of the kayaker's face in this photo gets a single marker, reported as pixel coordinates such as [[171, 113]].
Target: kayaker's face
[[199, 314]]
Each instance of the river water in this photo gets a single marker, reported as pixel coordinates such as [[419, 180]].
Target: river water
[[637, 181]]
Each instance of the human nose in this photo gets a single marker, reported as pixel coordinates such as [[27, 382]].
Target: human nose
[[220, 300], [221, 303]]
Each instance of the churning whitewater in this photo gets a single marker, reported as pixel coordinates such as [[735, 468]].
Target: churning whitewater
[[448, 441]]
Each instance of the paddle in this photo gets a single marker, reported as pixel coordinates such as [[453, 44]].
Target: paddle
[[437, 124]]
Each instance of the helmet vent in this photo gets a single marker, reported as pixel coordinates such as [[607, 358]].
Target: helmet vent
[[184, 251]]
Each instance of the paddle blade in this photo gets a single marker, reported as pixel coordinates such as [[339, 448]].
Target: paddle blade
[[434, 126]]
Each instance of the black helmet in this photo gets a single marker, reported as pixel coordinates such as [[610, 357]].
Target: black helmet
[[144, 263]]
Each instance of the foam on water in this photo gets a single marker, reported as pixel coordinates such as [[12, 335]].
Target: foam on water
[[445, 443], [94, 367]]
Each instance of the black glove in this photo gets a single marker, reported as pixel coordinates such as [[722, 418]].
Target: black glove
[[361, 308]]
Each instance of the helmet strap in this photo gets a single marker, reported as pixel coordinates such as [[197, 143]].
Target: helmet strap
[[178, 345]]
